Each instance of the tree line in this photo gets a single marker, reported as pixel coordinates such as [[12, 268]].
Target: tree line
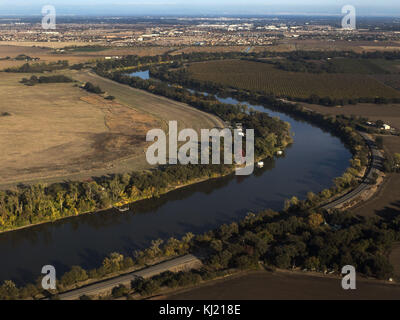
[[33, 80], [39, 67], [299, 237]]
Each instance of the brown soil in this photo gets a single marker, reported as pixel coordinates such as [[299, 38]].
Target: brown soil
[[261, 285]]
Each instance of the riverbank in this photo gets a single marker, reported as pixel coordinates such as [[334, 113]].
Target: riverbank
[[170, 189]]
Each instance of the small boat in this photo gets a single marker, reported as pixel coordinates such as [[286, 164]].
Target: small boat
[[260, 164], [123, 209], [279, 153]]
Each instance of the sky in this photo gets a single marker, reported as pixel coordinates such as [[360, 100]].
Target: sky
[[199, 7]]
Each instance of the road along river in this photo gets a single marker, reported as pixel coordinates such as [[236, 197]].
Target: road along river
[[310, 164]]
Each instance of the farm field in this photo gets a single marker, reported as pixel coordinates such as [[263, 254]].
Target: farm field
[[389, 113], [366, 66], [262, 285], [263, 77], [54, 132], [336, 45]]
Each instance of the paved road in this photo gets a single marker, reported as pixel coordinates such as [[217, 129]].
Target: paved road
[[376, 165], [108, 285]]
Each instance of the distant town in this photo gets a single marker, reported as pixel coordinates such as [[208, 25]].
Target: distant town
[[167, 31]]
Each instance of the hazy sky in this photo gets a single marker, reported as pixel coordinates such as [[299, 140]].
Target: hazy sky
[[140, 7]]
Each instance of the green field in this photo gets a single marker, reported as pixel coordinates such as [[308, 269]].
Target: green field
[[264, 77]]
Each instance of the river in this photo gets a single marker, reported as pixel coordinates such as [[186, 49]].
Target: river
[[310, 164]]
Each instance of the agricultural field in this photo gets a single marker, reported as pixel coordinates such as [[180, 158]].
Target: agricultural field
[[262, 285], [264, 77], [366, 66], [389, 113], [337, 45]]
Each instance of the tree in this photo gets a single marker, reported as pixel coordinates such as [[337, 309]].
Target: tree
[[312, 263], [113, 263], [315, 220], [120, 291], [326, 193], [77, 274], [9, 291]]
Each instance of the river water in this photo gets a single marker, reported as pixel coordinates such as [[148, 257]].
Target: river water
[[310, 164]]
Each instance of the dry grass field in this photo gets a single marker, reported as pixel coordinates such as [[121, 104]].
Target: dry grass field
[[264, 77], [45, 55], [59, 131], [158, 107]]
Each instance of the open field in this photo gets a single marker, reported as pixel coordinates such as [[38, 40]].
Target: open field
[[211, 49], [73, 56], [262, 285], [58, 131], [158, 107], [389, 113], [337, 45], [265, 77], [45, 55], [366, 66], [139, 51]]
